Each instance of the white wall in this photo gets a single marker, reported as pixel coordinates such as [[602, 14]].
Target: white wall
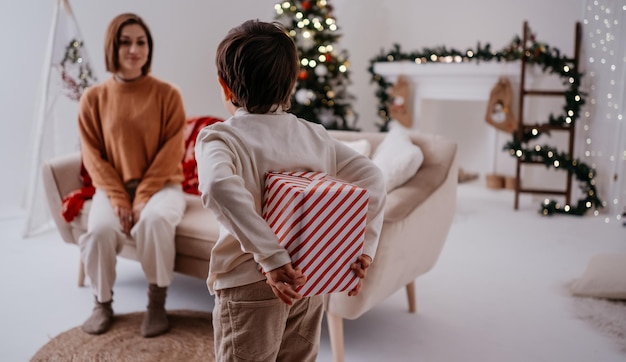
[[187, 32]]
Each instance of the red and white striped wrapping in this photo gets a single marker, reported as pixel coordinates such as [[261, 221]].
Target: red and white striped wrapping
[[321, 222]]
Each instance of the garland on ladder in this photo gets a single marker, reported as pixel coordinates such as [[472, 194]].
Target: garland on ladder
[[551, 60]]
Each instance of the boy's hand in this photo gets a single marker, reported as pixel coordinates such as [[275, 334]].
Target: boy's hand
[[360, 269], [283, 280]]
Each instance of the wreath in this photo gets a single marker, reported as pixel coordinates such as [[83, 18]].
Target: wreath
[[551, 60]]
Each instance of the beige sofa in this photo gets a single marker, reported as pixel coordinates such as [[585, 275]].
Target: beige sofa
[[418, 216]]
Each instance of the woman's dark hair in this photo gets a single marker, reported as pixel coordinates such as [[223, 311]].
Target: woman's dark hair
[[112, 41], [259, 63]]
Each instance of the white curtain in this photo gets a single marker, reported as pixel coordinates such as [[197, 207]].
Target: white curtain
[[604, 64], [55, 132]]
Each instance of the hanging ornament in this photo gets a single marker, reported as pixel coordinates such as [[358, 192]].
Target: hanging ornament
[[321, 70], [500, 107], [304, 96], [303, 75], [306, 5], [399, 109]]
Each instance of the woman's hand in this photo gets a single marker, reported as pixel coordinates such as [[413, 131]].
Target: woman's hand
[[137, 209], [126, 218]]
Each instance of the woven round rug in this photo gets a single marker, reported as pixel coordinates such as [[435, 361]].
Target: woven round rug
[[190, 338]]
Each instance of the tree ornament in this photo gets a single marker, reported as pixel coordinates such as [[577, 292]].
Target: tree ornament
[[304, 96], [321, 70]]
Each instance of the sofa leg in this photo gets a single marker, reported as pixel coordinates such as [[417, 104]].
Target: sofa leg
[[335, 331], [410, 294], [81, 274]]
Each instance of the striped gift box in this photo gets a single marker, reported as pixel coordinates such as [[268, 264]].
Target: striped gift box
[[320, 220]]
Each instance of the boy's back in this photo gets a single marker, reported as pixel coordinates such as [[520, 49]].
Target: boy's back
[[259, 316]]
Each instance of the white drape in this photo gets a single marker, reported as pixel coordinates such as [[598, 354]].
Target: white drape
[[55, 130], [604, 48]]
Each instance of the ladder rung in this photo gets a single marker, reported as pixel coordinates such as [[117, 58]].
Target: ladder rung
[[532, 92], [553, 127], [543, 191]]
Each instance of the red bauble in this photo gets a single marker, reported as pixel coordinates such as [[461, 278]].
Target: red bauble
[[306, 5], [303, 75]]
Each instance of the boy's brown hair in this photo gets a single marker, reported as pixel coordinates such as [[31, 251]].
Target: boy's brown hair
[[112, 41], [259, 63]]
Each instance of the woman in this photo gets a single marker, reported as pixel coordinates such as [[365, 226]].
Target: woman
[[131, 130]]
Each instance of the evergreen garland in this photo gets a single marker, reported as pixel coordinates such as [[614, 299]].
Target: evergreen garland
[[551, 60]]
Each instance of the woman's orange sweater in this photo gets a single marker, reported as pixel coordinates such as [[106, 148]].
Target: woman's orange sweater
[[132, 131]]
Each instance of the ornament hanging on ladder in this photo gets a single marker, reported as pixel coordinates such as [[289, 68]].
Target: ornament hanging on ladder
[[500, 107]]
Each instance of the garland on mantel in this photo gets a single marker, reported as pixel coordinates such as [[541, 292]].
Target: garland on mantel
[[551, 60]]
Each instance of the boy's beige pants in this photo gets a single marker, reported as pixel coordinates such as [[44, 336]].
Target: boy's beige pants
[[152, 235], [251, 324]]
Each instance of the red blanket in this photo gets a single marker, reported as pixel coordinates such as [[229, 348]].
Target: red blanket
[[73, 202]]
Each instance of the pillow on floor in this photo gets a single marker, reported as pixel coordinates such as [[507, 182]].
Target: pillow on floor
[[605, 277], [397, 157]]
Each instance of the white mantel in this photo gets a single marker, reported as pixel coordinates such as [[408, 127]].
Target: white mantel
[[471, 81]]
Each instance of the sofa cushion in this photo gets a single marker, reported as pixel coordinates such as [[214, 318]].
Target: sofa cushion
[[398, 158], [197, 232], [439, 155]]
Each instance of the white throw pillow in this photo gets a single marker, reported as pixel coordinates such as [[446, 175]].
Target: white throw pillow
[[605, 277], [397, 157], [361, 146]]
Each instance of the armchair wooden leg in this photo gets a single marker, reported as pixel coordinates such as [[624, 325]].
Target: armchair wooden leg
[[335, 331], [81, 274], [410, 294]]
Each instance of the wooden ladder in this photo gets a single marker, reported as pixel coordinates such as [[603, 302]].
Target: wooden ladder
[[524, 127]]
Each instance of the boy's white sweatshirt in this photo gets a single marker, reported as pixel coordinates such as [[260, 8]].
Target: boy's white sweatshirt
[[233, 158]]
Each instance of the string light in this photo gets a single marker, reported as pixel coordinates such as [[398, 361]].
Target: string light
[[602, 19]]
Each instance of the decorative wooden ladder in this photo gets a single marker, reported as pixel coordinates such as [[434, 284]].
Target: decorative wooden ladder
[[523, 127]]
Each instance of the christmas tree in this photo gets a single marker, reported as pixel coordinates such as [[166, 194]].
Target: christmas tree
[[320, 95]]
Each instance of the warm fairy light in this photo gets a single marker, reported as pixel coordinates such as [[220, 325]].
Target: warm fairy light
[[343, 68]]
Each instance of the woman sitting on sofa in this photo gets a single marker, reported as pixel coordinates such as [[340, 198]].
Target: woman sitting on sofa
[[131, 131]]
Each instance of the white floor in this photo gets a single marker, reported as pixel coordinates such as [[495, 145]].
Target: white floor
[[497, 292]]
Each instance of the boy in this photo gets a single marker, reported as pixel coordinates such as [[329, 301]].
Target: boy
[[261, 317]]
